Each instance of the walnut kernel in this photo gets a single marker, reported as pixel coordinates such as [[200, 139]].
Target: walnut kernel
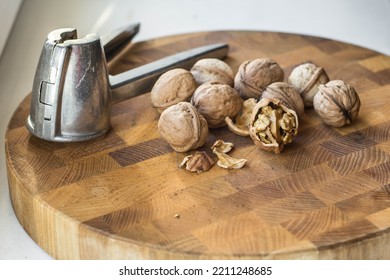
[[273, 125]]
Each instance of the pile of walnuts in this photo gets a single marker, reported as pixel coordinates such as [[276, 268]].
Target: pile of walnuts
[[254, 102]]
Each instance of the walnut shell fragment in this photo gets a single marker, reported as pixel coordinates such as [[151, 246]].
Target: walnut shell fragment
[[306, 78], [287, 94], [198, 162], [243, 119], [212, 70], [228, 162], [183, 127], [253, 76], [337, 103], [172, 87], [273, 125], [220, 148]]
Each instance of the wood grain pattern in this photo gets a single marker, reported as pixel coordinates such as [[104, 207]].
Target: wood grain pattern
[[327, 196]]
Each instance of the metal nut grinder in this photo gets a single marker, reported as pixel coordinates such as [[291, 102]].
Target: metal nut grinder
[[73, 92]]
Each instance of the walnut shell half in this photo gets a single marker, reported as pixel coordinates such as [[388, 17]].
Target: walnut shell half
[[273, 125], [183, 127], [337, 103]]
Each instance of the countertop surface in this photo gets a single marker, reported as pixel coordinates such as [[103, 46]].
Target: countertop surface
[[364, 23]]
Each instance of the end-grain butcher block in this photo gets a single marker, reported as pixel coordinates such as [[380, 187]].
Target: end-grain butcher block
[[123, 196]]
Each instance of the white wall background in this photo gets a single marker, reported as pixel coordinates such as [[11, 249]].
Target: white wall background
[[361, 22], [8, 12]]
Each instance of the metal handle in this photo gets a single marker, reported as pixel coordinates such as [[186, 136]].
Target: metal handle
[[141, 79], [114, 42]]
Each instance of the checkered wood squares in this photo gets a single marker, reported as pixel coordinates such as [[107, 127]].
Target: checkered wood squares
[[123, 196]]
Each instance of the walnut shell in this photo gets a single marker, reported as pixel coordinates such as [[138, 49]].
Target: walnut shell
[[215, 101], [183, 127], [287, 94], [198, 162], [273, 125], [172, 87], [306, 78], [212, 70], [337, 103], [243, 118], [254, 76]]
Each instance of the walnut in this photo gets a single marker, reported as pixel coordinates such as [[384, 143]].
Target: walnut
[[198, 162], [287, 94], [212, 70], [221, 148], [183, 127], [215, 101], [273, 125], [254, 76], [306, 78], [337, 103], [243, 119], [172, 87]]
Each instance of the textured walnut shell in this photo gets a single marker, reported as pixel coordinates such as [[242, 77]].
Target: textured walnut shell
[[253, 76], [287, 94], [216, 101], [243, 118], [276, 144], [198, 162], [337, 103], [212, 70], [306, 78], [183, 127], [172, 87]]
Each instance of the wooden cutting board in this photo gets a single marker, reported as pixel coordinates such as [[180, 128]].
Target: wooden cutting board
[[327, 196]]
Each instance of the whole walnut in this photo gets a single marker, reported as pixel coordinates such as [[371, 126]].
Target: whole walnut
[[212, 70], [254, 76], [306, 78], [272, 125], [216, 101], [172, 87], [287, 94], [337, 103], [183, 127]]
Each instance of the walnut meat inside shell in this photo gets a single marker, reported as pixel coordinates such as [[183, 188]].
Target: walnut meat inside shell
[[172, 87], [216, 101], [183, 127], [253, 76], [273, 125], [212, 70], [337, 103], [306, 78]]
